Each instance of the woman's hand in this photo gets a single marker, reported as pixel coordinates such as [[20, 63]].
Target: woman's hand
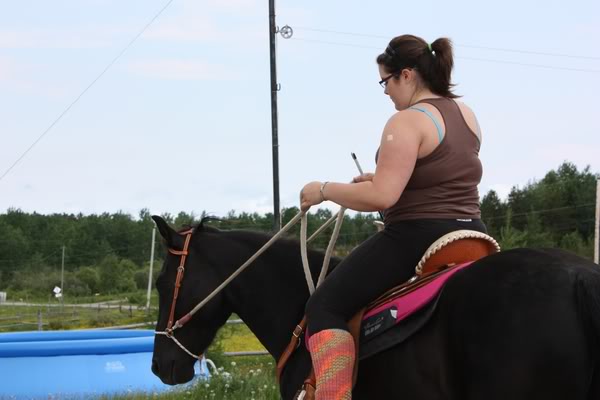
[[310, 195], [368, 177]]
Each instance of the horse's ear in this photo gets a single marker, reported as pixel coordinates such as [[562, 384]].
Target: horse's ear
[[165, 230]]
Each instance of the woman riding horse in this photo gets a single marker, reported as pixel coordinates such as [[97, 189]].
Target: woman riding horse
[[521, 324], [426, 180]]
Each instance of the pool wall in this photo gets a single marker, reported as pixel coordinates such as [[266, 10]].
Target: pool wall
[[78, 364]]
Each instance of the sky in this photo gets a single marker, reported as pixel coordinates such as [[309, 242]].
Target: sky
[[181, 121]]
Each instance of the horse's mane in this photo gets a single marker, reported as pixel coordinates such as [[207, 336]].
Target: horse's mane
[[250, 235]]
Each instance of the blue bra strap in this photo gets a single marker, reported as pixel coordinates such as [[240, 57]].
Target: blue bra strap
[[430, 115]]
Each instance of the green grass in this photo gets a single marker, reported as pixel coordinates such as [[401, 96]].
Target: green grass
[[240, 379]]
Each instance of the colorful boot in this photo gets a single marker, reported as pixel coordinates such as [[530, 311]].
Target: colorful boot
[[332, 353]]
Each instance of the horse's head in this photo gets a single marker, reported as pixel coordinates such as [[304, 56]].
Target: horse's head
[[171, 362]]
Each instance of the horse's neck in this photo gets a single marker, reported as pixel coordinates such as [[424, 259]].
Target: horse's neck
[[270, 296]]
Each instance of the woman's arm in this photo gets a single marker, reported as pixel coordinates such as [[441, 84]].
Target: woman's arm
[[398, 153]]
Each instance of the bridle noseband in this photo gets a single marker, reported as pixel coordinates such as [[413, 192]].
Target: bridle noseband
[[168, 332]]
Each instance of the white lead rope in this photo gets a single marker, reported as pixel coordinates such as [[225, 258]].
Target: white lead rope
[[339, 218], [169, 335], [324, 226], [250, 260]]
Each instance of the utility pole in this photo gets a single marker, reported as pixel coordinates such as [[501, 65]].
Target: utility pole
[[62, 276], [151, 265], [274, 123], [597, 230]]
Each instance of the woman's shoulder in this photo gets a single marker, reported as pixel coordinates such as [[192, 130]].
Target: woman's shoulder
[[470, 118], [403, 117], [402, 122]]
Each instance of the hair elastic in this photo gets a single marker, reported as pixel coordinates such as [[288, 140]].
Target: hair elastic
[[430, 49]]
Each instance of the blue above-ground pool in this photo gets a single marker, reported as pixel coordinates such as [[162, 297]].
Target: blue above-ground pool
[[78, 364]]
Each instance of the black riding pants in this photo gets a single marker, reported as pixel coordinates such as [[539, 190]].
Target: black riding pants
[[386, 259]]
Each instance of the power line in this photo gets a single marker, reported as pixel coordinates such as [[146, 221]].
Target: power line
[[87, 88], [531, 65], [335, 43], [538, 53], [545, 211], [459, 57]]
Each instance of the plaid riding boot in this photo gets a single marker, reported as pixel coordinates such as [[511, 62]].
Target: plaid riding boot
[[332, 353]]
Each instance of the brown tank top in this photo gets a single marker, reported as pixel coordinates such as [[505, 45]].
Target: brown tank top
[[444, 183]]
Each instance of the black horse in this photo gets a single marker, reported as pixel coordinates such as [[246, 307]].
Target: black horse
[[520, 324]]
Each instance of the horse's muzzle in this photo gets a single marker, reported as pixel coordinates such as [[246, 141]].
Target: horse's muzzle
[[172, 375]]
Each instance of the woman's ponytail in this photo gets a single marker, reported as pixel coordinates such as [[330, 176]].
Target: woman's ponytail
[[440, 71]]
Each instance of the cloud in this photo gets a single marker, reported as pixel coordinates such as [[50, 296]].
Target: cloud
[[7, 69], [191, 21], [238, 6], [174, 69], [195, 22], [185, 28], [53, 39], [579, 154], [16, 76], [501, 189]]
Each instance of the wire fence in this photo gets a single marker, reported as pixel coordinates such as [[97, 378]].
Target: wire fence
[[62, 316]]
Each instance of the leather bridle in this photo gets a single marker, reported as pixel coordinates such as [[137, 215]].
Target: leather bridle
[[301, 216], [172, 326]]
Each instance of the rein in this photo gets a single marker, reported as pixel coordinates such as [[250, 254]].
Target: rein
[[303, 217]]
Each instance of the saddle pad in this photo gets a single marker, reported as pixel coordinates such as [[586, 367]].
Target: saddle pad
[[385, 316], [398, 333]]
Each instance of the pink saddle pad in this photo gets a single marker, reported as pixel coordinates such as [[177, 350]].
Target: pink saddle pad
[[383, 317], [415, 300]]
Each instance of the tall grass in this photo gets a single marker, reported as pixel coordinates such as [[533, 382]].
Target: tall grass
[[251, 378]]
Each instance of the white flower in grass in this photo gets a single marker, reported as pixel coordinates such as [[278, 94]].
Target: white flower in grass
[[233, 364]]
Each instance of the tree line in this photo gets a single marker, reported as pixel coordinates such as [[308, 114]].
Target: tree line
[[110, 252]]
